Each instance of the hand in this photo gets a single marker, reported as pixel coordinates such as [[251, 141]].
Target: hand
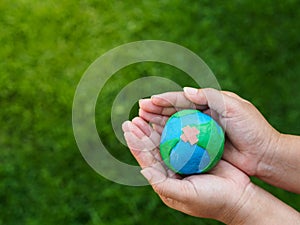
[[225, 193], [250, 140], [220, 194]]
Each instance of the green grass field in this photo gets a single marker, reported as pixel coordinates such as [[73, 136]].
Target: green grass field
[[253, 47]]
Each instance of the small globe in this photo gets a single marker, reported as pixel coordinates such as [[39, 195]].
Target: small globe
[[191, 142]]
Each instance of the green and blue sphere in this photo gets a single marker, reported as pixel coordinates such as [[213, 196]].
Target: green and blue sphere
[[191, 142]]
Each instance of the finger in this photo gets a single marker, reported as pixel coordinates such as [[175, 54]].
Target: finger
[[139, 144], [230, 152], [128, 126], [147, 130], [214, 99], [151, 132], [143, 148], [172, 99], [153, 135], [176, 100], [181, 206], [142, 141], [145, 155], [166, 187], [238, 159], [148, 106], [214, 115], [153, 118], [172, 174], [159, 129], [142, 125]]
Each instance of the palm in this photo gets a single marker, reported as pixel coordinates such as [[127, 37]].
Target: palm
[[225, 184]]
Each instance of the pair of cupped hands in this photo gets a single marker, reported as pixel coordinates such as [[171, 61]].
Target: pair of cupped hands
[[225, 193]]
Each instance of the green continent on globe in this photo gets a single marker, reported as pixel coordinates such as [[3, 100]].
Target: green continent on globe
[[211, 138], [188, 128], [184, 113], [167, 147]]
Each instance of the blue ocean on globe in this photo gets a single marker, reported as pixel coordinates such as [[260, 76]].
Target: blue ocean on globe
[[189, 161]]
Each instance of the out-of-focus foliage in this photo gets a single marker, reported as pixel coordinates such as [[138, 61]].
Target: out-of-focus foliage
[[253, 47]]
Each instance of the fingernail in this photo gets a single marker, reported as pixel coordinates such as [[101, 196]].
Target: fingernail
[[140, 113], [146, 173], [142, 100], [125, 125], [190, 91]]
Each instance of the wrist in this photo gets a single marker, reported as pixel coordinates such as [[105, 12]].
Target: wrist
[[238, 212], [266, 165], [280, 165], [260, 207]]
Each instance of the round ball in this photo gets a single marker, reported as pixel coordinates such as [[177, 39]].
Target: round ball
[[191, 142]]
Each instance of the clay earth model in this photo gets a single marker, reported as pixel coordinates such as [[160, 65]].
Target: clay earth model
[[192, 142]]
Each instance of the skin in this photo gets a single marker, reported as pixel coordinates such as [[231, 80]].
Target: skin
[[252, 148]]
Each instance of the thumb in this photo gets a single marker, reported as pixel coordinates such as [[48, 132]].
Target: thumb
[[167, 187], [153, 175], [214, 99]]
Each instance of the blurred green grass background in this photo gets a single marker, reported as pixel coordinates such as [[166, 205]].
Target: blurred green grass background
[[253, 47]]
